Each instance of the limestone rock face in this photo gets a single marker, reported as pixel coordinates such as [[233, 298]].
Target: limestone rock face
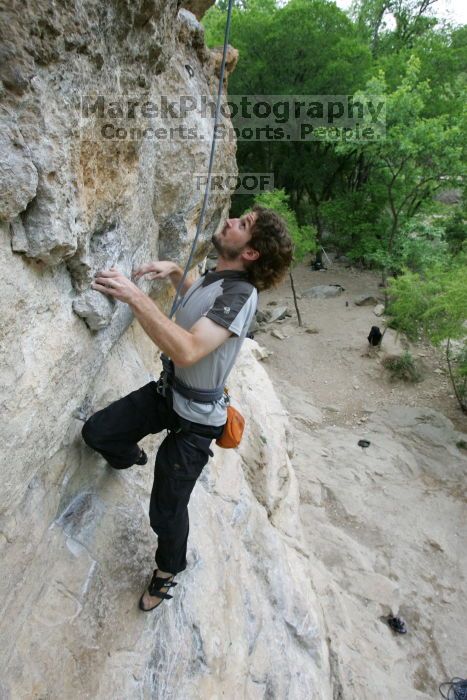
[[75, 101], [18, 175], [75, 543], [76, 202], [198, 7], [242, 623]]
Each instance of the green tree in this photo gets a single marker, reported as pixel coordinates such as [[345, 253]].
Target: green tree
[[392, 24], [435, 303], [417, 156], [306, 47], [456, 232], [374, 197]]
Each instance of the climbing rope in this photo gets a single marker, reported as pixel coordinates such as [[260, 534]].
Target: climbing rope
[[456, 689], [211, 162]]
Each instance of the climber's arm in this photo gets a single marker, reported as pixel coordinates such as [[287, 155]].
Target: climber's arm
[[182, 346]]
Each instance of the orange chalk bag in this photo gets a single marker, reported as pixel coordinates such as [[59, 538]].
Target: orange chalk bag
[[233, 429]]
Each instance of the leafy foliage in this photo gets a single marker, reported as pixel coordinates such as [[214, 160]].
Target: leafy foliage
[[456, 229], [456, 233], [304, 237], [306, 47], [374, 199], [407, 166], [365, 193], [435, 303]]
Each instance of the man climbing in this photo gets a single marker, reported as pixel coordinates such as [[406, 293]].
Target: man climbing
[[212, 320]]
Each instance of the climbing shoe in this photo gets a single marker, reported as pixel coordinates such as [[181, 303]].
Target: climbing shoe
[[156, 592]]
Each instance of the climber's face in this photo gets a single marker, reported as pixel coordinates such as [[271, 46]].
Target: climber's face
[[231, 242]]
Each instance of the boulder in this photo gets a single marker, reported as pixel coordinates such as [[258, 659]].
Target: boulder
[[378, 310], [277, 334], [323, 291], [365, 300], [277, 314]]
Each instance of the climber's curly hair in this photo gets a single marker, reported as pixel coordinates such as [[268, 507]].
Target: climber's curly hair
[[270, 237]]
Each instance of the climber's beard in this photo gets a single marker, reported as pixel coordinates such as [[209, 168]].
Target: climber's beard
[[225, 250]]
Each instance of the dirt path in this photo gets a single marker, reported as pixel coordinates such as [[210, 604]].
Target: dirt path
[[384, 527], [333, 366]]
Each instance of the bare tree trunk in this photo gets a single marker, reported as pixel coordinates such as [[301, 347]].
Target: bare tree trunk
[[386, 270], [384, 282], [295, 301]]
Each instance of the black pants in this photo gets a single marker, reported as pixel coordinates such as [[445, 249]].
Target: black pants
[[115, 431]]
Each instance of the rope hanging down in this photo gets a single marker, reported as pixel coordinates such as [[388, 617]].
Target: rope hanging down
[[211, 162]]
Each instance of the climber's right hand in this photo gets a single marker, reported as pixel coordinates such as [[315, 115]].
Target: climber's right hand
[[157, 270]]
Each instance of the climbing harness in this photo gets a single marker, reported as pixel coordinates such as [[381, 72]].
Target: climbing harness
[[235, 423], [168, 379]]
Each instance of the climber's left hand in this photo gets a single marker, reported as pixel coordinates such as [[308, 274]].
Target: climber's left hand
[[116, 285]]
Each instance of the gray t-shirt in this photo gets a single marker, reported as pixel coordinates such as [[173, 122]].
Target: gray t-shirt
[[227, 298]]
